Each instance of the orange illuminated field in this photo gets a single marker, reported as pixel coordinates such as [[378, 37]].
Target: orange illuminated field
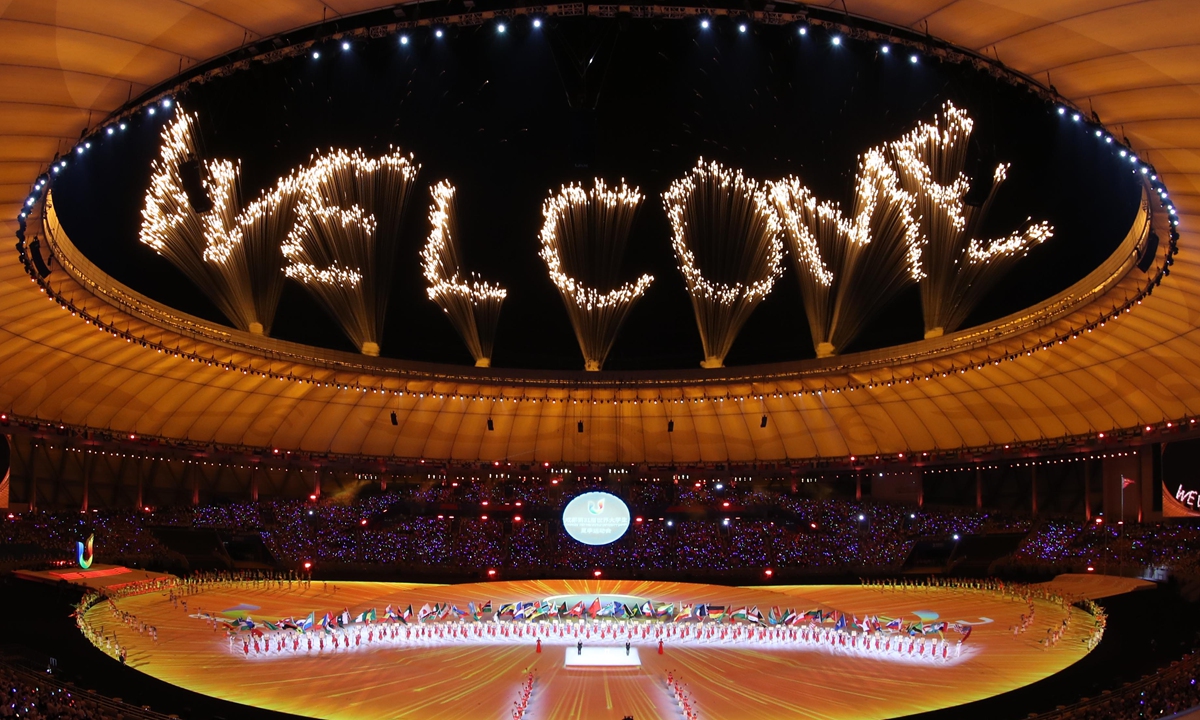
[[482, 681]]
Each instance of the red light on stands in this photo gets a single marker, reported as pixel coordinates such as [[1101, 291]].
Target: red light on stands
[[483, 517], [518, 503], [596, 573], [485, 502], [362, 522], [768, 572], [638, 519], [725, 504], [308, 566], [312, 497], [491, 572], [1091, 569], [516, 518]]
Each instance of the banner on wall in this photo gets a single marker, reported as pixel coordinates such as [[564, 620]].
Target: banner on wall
[[1181, 479]]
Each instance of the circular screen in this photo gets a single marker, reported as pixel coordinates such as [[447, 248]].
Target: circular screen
[[596, 518]]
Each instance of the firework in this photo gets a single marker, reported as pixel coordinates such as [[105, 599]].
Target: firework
[[725, 234], [472, 305], [227, 251], [959, 267], [342, 246], [584, 233], [849, 267]]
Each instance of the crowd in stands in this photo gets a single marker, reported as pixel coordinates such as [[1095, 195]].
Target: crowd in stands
[[442, 527], [1165, 693], [28, 696], [1071, 546]]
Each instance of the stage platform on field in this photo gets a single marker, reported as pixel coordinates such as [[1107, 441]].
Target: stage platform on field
[[96, 577], [602, 656]]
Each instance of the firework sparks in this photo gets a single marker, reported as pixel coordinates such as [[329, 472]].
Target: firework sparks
[[584, 233]]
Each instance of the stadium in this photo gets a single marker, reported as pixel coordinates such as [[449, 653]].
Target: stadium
[[495, 360]]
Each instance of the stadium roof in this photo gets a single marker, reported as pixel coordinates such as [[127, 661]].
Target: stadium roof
[[68, 65]]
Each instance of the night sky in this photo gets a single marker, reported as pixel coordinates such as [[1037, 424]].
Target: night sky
[[505, 117]]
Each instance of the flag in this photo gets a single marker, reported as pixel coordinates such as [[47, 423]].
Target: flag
[[753, 615], [715, 612], [684, 611], [307, 623], [505, 609], [647, 609], [894, 624], [407, 614], [344, 620], [388, 612], [445, 613], [841, 622], [700, 611], [328, 621], [487, 607], [738, 614], [1126, 482], [270, 625], [519, 611], [790, 617], [816, 614], [473, 611], [424, 612], [665, 610], [578, 610], [562, 609], [594, 608]]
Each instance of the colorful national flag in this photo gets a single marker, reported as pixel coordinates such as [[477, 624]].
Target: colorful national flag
[[407, 614], [307, 623], [753, 615], [738, 613], [578, 610], [424, 612], [716, 612], [594, 608], [647, 609]]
